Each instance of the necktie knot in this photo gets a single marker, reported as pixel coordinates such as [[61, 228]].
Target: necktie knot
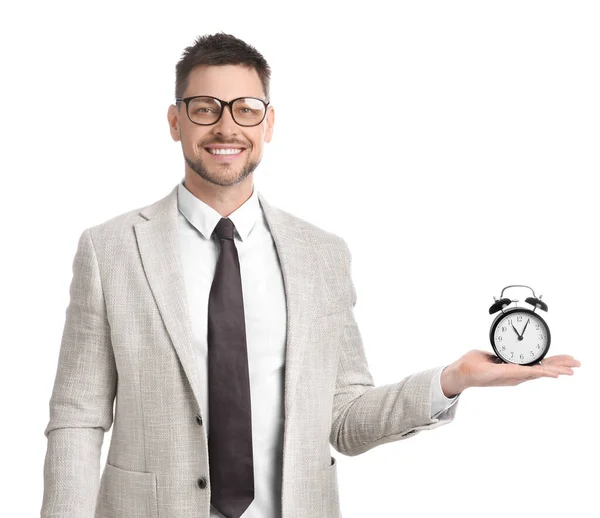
[[224, 229]]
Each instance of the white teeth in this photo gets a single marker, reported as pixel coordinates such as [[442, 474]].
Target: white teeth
[[224, 151]]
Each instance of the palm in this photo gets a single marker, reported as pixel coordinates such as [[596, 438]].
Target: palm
[[484, 369]]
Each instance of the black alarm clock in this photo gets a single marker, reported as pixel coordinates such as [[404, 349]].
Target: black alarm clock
[[518, 334]]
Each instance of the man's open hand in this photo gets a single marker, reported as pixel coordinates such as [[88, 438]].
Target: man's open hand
[[483, 369]]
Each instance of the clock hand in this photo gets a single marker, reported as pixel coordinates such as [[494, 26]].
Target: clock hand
[[525, 327], [513, 326]]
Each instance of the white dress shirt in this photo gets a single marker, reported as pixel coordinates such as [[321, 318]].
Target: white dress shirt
[[265, 317]]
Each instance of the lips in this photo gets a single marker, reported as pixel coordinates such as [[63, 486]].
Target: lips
[[224, 151], [232, 145], [232, 153]]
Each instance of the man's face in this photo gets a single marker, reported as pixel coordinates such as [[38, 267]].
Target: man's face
[[225, 82]]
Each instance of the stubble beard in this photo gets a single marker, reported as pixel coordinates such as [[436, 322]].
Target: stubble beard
[[224, 176]]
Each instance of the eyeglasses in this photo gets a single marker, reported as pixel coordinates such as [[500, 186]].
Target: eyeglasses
[[206, 110]]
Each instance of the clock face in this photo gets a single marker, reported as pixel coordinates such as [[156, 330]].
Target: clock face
[[520, 336]]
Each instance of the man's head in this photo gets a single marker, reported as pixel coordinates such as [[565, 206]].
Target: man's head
[[226, 68]]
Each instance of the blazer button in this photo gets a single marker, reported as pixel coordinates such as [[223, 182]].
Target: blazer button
[[201, 482], [199, 419]]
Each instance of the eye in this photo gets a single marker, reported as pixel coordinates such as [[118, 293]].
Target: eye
[[204, 110]]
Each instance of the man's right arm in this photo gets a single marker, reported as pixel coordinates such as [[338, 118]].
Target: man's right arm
[[81, 405]]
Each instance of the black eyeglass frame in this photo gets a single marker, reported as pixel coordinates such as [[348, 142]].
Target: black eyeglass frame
[[187, 100]]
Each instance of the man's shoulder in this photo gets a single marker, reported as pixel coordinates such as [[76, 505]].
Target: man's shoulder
[[123, 223], [313, 233], [119, 221]]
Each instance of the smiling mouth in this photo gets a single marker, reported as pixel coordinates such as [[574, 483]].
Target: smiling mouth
[[224, 151]]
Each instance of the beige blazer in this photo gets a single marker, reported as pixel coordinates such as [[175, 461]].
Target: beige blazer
[[127, 342]]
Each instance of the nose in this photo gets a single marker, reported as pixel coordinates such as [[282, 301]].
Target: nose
[[226, 125]]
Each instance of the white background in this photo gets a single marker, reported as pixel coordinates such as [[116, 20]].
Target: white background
[[454, 145]]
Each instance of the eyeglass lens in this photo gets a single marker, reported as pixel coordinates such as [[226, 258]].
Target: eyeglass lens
[[245, 112]]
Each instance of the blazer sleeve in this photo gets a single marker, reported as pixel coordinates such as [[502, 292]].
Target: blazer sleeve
[[365, 416], [81, 404]]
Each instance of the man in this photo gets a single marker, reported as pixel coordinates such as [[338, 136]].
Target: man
[[213, 305]]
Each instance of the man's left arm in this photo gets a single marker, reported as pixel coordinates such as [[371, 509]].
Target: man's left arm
[[365, 416]]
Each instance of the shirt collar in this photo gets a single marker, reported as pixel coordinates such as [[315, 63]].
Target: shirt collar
[[204, 218]]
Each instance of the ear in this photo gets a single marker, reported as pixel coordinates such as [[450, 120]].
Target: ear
[[270, 124], [173, 118]]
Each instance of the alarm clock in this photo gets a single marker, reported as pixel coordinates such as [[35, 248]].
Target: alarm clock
[[518, 334]]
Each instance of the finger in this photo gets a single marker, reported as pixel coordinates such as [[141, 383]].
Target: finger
[[522, 373], [562, 359], [555, 370], [545, 371], [561, 364], [562, 370]]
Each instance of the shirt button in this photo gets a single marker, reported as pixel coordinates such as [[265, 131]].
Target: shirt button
[[201, 482], [199, 419]]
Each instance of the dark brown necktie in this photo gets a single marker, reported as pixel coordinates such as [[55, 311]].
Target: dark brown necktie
[[230, 424]]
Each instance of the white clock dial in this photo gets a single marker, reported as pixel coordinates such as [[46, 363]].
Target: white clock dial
[[521, 337]]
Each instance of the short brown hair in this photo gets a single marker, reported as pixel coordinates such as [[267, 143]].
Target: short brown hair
[[220, 49]]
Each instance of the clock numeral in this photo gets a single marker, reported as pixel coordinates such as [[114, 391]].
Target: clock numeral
[[537, 326], [509, 322], [504, 329], [541, 336], [512, 354], [531, 352], [519, 318], [503, 348], [499, 338], [538, 346], [522, 357]]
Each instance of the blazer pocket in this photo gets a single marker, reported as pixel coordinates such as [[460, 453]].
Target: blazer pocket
[[332, 463], [330, 486], [127, 494]]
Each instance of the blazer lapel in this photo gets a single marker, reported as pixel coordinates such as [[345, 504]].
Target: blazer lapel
[[299, 270], [158, 242]]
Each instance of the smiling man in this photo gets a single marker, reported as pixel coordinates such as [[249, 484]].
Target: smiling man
[[215, 333]]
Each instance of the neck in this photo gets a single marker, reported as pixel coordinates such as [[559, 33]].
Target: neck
[[224, 199]]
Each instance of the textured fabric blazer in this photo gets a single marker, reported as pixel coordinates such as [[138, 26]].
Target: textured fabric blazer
[[126, 360]]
